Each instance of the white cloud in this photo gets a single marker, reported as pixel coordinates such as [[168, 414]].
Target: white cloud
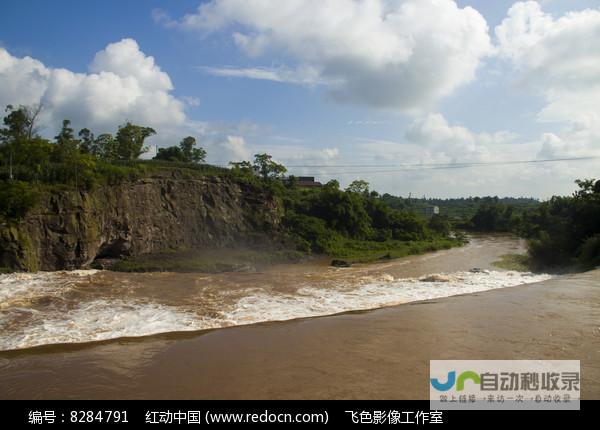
[[302, 160], [560, 59], [399, 54], [582, 142], [123, 84], [23, 81], [451, 143], [305, 75], [524, 27], [125, 59], [191, 101], [235, 148], [446, 180], [302, 154], [430, 161], [330, 153]]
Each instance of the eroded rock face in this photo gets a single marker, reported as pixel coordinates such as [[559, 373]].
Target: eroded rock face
[[70, 229]]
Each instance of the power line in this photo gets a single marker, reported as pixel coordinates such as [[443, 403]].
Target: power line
[[463, 164], [420, 165], [435, 166], [394, 168]]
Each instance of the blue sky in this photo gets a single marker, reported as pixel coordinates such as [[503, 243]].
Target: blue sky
[[389, 97]]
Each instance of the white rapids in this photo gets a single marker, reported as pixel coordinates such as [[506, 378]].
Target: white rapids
[[68, 307]]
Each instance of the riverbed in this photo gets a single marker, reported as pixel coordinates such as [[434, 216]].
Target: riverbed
[[245, 335], [87, 305]]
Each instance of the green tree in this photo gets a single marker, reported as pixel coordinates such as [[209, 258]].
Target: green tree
[[172, 153], [440, 224], [105, 147], [67, 147], [20, 128], [243, 169], [21, 122], [265, 167], [342, 211], [586, 187], [565, 231], [185, 152], [331, 185], [190, 153], [358, 186], [86, 141], [493, 216], [130, 140]]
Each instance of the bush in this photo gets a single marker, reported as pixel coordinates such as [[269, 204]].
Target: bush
[[112, 174], [17, 198], [564, 231], [309, 232], [589, 257]]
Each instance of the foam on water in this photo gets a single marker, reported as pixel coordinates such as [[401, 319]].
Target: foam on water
[[311, 302], [101, 320], [23, 325], [20, 287]]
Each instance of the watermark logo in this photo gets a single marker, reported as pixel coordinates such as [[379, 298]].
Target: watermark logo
[[451, 381], [504, 384]]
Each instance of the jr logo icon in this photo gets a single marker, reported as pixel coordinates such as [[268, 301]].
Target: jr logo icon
[[451, 380]]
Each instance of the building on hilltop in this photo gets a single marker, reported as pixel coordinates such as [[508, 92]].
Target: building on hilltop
[[308, 182]]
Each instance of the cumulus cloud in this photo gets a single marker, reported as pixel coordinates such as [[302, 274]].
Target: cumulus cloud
[[573, 142], [303, 155], [559, 58], [452, 143], [400, 172], [431, 160], [303, 160], [428, 161], [24, 81], [233, 148], [123, 83], [404, 55]]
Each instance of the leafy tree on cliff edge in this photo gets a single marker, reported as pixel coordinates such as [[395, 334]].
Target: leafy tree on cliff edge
[[267, 168], [67, 147], [130, 140], [86, 141], [191, 154], [20, 130], [185, 152]]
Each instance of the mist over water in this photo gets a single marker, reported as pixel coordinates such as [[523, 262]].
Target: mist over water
[[87, 305]]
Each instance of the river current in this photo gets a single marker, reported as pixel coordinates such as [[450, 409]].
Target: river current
[[86, 305]]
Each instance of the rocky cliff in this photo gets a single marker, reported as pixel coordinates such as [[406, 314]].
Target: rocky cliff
[[69, 229]]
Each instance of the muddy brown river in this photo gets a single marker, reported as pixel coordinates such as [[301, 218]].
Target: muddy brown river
[[87, 334]]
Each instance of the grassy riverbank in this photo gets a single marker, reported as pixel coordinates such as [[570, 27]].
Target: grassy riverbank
[[244, 259], [358, 251], [517, 262], [207, 261]]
